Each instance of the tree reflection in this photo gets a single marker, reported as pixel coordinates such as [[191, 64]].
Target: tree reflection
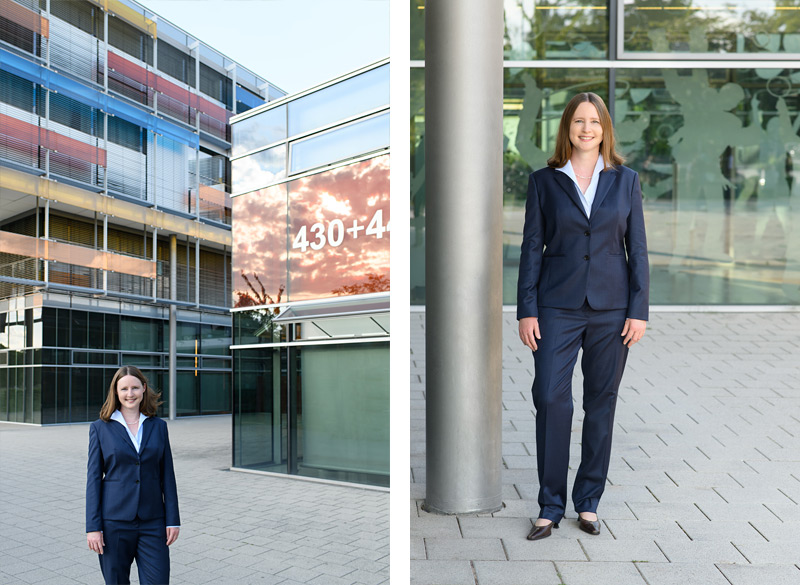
[[254, 297], [374, 283]]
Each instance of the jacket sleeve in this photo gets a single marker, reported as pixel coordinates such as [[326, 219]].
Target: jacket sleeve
[[168, 486], [638, 264], [530, 261], [94, 482]]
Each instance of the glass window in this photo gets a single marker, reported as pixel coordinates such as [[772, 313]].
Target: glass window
[[187, 402], [129, 39], [337, 217], [4, 394], [216, 339], [187, 338], [258, 131], [714, 26], [217, 85], [344, 402], [257, 438], [175, 62], [140, 334], [718, 154], [80, 329], [417, 29], [351, 97], [259, 169], [246, 100], [556, 29], [215, 392], [17, 91], [340, 143], [259, 251]]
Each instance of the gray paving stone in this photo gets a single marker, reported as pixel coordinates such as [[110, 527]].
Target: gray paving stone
[[721, 531], [594, 573], [681, 574], [616, 550], [441, 573], [761, 574], [770, 552], [554, 548], [451, 549], [680, 551], [516, 573]]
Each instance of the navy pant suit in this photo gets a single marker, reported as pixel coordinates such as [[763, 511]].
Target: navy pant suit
[[582, 276], [132, 497]]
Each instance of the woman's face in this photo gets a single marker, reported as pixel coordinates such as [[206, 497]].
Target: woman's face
[[130, 392], [585, 130]]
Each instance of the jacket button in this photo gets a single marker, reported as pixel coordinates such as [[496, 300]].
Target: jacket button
[[586, 257], [137, 463], [137, 481], [586, 233]]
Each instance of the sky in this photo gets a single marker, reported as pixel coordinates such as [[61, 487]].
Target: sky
[[294, 44]]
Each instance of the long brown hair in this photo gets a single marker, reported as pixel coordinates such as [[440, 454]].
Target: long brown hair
[[564, 147], [150, 399]]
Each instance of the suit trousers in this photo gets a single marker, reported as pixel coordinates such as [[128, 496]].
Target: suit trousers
[[143, 540], [564, 332]]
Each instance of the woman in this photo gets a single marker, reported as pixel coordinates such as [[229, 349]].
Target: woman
[[583, 284], [131, 496]]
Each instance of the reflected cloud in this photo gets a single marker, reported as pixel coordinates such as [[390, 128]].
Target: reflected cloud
[[333, 241]]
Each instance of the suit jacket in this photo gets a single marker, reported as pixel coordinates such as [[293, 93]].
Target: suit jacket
[[121, 483], [568, 257]]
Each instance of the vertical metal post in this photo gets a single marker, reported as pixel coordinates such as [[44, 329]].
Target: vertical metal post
[[105, 251], [46, 237], [197, 272], [464, 203], [173, 325]]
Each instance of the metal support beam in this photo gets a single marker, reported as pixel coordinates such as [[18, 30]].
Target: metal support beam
[[173, 326], [463, 167]]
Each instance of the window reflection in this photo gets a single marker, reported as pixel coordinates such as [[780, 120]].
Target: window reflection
[[719, 156], [259, 169], [340, 143], [337, 242], [260, 130], [556, 29], [351, 97], [711, 26]]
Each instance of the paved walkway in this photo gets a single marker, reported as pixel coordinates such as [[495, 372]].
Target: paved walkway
[[704, 484], [238, 528]]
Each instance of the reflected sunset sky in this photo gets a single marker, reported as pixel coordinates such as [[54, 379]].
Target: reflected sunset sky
[[339, 204]]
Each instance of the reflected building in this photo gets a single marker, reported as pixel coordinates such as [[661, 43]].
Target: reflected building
[[705, 98], [311, 280], [114, 141]]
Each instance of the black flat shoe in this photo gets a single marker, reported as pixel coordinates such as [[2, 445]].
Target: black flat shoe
[[540, 532], [590, 526]]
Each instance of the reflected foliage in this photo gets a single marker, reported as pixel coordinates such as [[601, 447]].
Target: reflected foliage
[[373, 284], [689, 26]]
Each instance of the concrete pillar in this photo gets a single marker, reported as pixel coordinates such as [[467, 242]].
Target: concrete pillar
[[463, 275], [173, 326]]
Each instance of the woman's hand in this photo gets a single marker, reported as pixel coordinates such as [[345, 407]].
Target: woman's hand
[[172, 534], [633, 331], [95, 541], [529, 332]]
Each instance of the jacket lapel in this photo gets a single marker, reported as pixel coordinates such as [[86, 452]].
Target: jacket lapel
[[604, 183], [121, 433], [569, 186], [147, 429]]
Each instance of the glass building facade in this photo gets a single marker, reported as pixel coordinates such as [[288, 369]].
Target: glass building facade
[[705, 98], [311, 282], [114, 143]]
